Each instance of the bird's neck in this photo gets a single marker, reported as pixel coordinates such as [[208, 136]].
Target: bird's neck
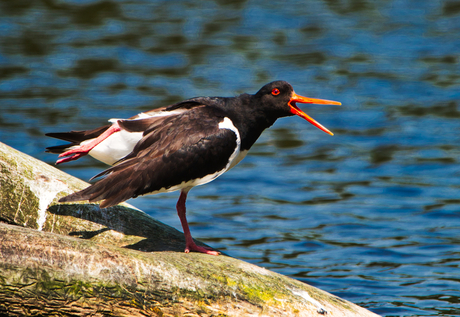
[[248, 118]]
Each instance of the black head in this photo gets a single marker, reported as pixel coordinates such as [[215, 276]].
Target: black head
[[276, 97], [279, 98]]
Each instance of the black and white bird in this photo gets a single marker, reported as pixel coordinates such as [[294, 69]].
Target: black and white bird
[[180, 146]]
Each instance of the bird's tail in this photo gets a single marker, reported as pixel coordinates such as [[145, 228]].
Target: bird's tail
[[112, 189], [75, 137]]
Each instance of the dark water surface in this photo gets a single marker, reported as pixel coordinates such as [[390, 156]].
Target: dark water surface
[[370, 214]]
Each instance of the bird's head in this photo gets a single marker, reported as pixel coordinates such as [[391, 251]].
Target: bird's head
[[280, 95]]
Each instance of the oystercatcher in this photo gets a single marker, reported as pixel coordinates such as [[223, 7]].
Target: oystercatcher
[[180, 146]]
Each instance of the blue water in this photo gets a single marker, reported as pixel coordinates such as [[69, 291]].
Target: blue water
[[370, 214]]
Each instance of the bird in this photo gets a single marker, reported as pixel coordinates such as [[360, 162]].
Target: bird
[[178, 147]]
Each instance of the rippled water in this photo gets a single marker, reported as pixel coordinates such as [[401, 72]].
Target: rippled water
[[371, 214]]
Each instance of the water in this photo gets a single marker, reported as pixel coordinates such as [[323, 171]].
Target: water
[[371, 214]]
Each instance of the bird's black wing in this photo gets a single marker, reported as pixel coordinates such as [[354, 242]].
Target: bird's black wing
[[183, 148]]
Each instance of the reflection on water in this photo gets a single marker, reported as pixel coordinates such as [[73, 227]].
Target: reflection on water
[[370, 214]]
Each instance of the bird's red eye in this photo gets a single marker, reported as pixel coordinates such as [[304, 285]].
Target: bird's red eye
[[275, 92]]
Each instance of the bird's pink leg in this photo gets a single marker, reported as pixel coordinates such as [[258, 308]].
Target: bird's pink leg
[[84, 149], [189, 243]]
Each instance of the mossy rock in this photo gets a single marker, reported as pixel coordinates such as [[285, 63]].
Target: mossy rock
[[78, 259]]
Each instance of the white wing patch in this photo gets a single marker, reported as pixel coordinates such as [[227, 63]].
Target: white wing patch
[[161, 113], [151, 114]]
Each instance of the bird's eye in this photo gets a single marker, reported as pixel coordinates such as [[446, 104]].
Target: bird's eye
[[275, 92]]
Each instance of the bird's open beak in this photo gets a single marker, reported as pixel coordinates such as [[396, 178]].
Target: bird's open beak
[[295, 110]]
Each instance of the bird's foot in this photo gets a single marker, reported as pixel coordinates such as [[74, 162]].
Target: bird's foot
[[75, 155], [194, 248]]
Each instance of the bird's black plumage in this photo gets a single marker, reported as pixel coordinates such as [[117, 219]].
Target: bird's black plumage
[[166, 156], [179, 146]]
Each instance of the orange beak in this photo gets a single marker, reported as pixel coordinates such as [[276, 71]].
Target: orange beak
[[295, 110]]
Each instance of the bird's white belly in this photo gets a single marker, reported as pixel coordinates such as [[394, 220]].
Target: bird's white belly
[[189, 184], [115, 147], [241, 155]]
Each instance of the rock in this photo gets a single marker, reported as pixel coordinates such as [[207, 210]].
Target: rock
[[77, 259]]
